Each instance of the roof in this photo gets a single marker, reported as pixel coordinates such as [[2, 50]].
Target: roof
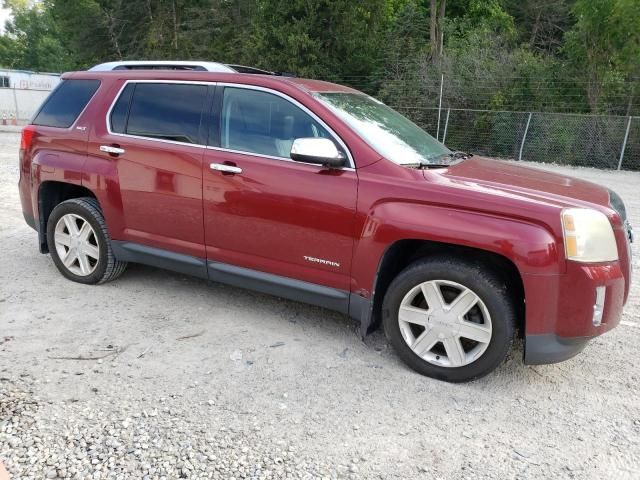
[[307, 85], [320, 86]]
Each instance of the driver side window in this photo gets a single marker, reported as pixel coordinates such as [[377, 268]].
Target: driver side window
[[259, 122]]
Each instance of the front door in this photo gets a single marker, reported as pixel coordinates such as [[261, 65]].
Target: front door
[[266, 212]]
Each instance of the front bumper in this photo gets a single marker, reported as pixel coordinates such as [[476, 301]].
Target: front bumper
[[549, 348], [560, 309]]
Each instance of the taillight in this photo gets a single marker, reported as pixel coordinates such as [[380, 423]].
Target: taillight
[[26, 139]]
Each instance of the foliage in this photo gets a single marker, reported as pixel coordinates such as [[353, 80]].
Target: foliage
[[545, 55], [604, 45], [333, 39], [32, 40]]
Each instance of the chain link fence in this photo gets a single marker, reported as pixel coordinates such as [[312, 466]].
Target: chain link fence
[[610, 142]]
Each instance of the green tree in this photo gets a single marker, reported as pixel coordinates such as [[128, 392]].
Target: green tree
[[572, 55], [603, 47], [101, 30], [146, 29], [541, 24], [332, 39], [31, 39]]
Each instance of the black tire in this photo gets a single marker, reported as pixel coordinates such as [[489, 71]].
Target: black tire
[[108, 267], [489, 287]]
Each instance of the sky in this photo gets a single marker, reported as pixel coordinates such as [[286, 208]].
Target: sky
[[4, 15]]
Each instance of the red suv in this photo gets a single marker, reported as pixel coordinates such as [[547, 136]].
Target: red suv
[[319, 193]]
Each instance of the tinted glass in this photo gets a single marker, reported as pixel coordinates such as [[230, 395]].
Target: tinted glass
[[393, 136], [66, 102], [167, 111], [263, 123], [121, 110]]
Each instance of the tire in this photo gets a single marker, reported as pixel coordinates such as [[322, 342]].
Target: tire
[[478, 340], [91, 270]]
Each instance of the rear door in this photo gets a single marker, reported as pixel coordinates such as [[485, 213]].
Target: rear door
[[156, 139]]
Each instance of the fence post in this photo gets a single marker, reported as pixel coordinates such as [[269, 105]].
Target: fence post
[[524, 137], [440, 106], [15, 101], [446, 125], [624, 143]]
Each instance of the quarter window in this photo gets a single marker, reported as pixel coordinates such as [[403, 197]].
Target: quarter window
[[65, 103], [263, 123], [162, 111], [120, 110]]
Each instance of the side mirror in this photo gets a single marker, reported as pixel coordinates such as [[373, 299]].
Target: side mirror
[[321, 151]]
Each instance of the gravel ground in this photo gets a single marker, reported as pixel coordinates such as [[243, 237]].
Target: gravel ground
[[209, 381]]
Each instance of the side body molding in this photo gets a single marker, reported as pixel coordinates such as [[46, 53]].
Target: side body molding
[[263, 282], [156, 257], [284, 287]]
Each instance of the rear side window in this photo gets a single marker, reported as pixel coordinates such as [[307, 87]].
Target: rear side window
[[163, 111], [65, 103]]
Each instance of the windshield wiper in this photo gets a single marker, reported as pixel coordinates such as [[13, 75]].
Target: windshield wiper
[[455, 157], [435, 165], [462, 155]]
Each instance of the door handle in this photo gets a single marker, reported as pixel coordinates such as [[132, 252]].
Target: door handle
[[221, 167], [112, 150]]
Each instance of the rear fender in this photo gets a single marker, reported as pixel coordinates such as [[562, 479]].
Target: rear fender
[[101, 177], [48, 166]]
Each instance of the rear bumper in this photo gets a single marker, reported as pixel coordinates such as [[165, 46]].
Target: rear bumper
[[560, 309], [30, 220]]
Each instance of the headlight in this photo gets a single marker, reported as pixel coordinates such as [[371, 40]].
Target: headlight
[[588, 236]]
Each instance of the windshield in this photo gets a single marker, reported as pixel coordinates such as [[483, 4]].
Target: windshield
[[393, 136]]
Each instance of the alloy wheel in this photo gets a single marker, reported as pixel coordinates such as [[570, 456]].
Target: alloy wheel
[[445, 323], [76, 244]]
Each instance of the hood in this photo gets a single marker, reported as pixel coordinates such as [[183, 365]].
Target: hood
[[526, 181]]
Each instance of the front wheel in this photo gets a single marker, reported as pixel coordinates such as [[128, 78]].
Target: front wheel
[[448, 319], [79, 242]]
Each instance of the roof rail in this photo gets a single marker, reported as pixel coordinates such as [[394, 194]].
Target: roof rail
[[246, 69], [260, 71], [162, 65], [183, 65]]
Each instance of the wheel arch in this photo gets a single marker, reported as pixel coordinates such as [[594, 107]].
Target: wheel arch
[[402, 253], [50, 194]]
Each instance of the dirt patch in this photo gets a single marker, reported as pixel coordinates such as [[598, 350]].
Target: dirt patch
[[219, 382]]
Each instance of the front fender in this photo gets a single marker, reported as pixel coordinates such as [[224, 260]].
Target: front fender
[[531, 247]]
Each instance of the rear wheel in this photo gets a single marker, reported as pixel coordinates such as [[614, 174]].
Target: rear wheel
[[449, 320], [79, 242]]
